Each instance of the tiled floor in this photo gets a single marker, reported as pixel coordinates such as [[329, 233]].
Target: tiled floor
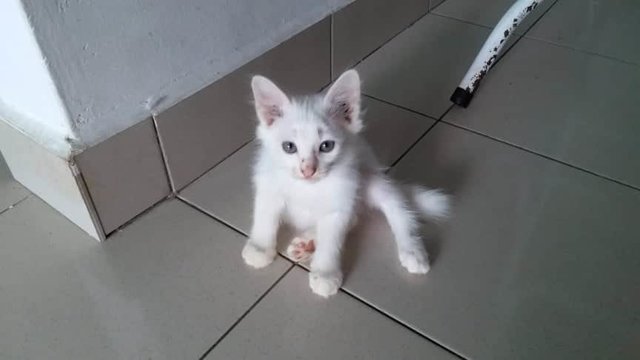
[[540, 260], [11, 192]]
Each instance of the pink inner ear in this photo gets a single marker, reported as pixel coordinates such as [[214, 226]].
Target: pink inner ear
[[270, 101], [270, 114], [343, 101], [342, 111], [346, 111]]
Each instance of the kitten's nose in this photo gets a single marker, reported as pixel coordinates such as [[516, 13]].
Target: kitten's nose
[[308, 168], [308, 171]]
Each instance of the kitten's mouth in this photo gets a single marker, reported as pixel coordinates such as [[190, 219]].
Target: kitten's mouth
[[309, 179], [313, 178]]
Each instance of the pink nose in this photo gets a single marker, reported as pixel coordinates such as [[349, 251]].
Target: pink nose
[[308, 171]]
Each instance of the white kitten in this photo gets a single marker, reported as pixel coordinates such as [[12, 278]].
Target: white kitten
[[315, 172]]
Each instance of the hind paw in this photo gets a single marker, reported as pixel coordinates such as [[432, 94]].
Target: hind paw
[[300, 249], [415, 261]]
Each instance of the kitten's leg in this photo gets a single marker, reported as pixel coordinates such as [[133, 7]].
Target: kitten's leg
[[384, 195], [302, 247], [260, 249], [326, 276]]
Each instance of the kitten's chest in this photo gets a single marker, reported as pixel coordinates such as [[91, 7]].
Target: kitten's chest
[[305, 204], [309, 200]]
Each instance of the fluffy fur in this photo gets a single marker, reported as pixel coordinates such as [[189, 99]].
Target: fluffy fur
[[315, 172]]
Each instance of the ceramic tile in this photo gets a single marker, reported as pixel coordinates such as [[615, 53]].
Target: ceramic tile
[[226, 193], [363, 26], [166, 287], [391, 130], [292, 323], [11, 191], [420, 68], [124, 174], [434, 3], [603, 27], [203, 129], [566, 104], [539, 260], [489, 12]]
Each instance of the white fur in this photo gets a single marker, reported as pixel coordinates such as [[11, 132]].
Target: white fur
[[433, 203], [345, 180]]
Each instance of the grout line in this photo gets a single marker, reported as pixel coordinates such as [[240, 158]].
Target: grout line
[[504, 51], [400, 106], [233, 326], [435, 7], [540, 155], [171, 195], [502, 55], [204, 211], [222, 222], [539, 18], [420, 138], [391, 38], [216, 164], [448, 17], [90, 204], [517, 37], [570, 47], [581, 51], [14, 204], [163, 154], [388, 316], [492, 27], [523, 35], [137, 216], [415, 112], [402, 323]]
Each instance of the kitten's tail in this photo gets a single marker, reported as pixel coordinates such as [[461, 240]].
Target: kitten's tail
[[433, 204]]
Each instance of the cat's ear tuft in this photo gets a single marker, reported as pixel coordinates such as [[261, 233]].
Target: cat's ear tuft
[[269, 100], [343, 101]]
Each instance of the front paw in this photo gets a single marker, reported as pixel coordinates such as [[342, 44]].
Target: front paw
[[415, 261], [325, 284], [257, 257]]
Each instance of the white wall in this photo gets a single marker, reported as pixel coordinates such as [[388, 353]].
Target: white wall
[[29, 100], [115, 61]]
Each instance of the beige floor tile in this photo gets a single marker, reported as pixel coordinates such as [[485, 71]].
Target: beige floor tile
[[166, 287]]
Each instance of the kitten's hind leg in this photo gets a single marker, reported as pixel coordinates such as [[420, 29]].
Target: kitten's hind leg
[[384, 195], [301, 248]]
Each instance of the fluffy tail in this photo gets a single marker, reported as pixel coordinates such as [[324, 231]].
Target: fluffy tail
[[432, 204]]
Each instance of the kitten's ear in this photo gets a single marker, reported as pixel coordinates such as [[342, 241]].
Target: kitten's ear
[[269, 100], [343, 101]]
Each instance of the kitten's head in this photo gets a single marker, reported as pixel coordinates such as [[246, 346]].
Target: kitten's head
[[307, 136]]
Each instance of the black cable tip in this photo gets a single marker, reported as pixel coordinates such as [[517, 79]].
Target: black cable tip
[[461, 97]]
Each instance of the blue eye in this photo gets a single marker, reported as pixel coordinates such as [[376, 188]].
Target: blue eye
[[289, 147], [327, 146]]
